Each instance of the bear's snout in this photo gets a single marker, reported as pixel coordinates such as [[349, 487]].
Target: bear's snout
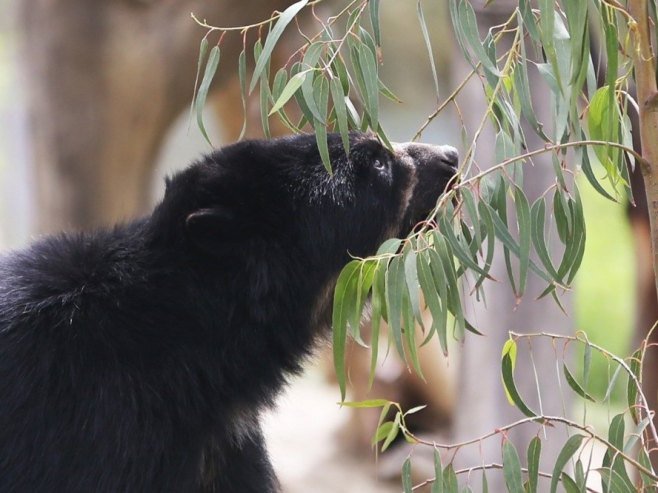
[[434, 168]]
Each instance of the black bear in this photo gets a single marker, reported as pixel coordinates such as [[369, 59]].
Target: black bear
[[137, 359]]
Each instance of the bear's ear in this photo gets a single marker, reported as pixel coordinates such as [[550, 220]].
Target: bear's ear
[[211, 228]]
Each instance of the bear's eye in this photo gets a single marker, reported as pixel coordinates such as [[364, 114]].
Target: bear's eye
[[379, 165]]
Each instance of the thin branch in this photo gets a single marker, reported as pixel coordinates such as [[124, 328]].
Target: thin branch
[[246, 27], [541, 420], [484, 467], [610, 355]]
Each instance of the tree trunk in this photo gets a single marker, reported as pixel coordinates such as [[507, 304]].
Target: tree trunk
[[105, 81]]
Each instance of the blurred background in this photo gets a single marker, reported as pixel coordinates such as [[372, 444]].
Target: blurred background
[[313, 442]]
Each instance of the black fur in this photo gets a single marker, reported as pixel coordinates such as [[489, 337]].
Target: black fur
[[136, 359]]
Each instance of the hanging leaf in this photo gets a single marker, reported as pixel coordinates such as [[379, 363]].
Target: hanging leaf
[[534, 452], [406, 476], [512, 468], [289, 90], [428, 45], [575, 386], [340, 108], [344, 293], [509, 357], [570, 447], [272, 38], [373, 5], [437, 484], [202, 95]]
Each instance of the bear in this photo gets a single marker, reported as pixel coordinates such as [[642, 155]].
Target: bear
[[138, 358]]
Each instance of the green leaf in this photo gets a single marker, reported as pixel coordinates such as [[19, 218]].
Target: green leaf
[[364, 283], [581, 477], [428, 45], [279, 83], [450, 479], [377, 311], [368, 68], [203, 51], [340, 108], [569, 484], [437, 484], [453, 295], [614, 483], [265, 95], [321, 91], [242, 76], [575, 386], [534, 452], [366, 404], [506, 238], [373, 5], [382, 432], [289, 90], [538, 213], [525, 229], [632, 390], [512, 468], [410, 333], [547, 29], [648, 484], [460, 250], [343, 295], [529, 19], [522, 87], [406, 476], [311, 58], [570, 447], [272, 38], [202, 94], [395, 284], [611, 384], [392, 434], [508, 381], [413, 284], [440, 281], [489, 230], [469, 28], [437, 308], [603, 121], [582, 156]]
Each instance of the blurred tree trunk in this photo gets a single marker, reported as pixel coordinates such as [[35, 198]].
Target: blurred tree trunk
[[481, 401], [105, 81]]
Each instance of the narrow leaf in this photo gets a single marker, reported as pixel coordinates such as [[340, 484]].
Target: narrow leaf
[[575, 386], [289, 90], [437, 484], [406, 476], [340, 108], [512, 468], [272, 38], [428, 45], [534, 452], [570, 448], [510, 386], [208, 75]]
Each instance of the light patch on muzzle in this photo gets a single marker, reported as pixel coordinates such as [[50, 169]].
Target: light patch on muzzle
[[413, 155]]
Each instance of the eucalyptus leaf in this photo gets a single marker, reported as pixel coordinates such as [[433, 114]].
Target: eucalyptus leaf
[[272, 38]]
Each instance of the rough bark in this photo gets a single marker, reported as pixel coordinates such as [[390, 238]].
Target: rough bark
[[105, 81], [647, 96]]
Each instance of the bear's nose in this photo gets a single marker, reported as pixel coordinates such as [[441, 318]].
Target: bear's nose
[[449, 156]]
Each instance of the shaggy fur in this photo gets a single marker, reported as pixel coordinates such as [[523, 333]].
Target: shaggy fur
[[137, 359]]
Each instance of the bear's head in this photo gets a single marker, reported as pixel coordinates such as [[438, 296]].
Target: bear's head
[[268, 210], [277, 194]]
